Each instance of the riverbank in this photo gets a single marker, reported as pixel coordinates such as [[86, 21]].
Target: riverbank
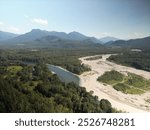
[[119, 100], [64, 75]]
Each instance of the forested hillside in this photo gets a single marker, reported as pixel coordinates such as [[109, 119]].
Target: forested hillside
[[35, 89], [141, 43]]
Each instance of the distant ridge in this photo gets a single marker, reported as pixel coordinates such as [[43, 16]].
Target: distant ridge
[[140, 43], [6, 35], [76, 36], [37, 38], [108, 39], [43, 38], [37, 33]]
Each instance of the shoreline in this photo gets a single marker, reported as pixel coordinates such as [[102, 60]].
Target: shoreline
[[119, 100]]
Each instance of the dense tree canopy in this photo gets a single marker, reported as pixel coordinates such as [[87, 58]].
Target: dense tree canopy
[[138, 60], [31, 87], [41, 91]]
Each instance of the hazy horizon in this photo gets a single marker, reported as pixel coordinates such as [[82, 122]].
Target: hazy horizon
[[124, 19]]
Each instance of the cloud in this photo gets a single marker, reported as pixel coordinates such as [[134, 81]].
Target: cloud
[[137, 34], [9, 28], [1, 23], [105, 34], [40, 21], [14, 29]]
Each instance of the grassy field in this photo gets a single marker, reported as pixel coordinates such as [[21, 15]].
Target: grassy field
[[14, 69], [131, 84], [127, 89], [137, 81]]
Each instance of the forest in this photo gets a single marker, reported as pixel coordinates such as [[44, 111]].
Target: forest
[[138, 60], [26, 84], [66, 58]]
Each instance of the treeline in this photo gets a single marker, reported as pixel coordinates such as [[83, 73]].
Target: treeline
[[33, 88], [65, 58], [138, 60], [94, 58]]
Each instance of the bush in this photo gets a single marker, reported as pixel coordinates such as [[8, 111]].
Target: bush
[[111, 77]]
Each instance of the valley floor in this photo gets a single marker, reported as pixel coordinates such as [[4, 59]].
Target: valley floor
[[119, 100]]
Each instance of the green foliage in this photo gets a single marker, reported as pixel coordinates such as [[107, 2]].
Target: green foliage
[[137, 81], [14, 69], [138, 60], [35, 89], [111, 77], [94, 58], [11, 100], [127, 89], [67, 59], [121, 87], [77, 69], [106, 106], [131, 84], [134, 90]]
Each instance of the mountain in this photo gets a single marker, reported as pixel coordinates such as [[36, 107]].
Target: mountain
[[37, 38], [76, 36], [142, 43], [30, 36], [93, 39], [6, 35], [57, 42], [53, 42], [37, 34], [108, 39]]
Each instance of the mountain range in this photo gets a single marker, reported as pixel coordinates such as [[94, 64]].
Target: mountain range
[[42, 38], [37, 33], [140, 43], [6, 35], [108, 39]]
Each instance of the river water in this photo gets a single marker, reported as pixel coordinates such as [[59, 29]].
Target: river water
[[64, 75]]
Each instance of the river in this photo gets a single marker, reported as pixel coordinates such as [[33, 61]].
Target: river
[[65, 75], [121, 101]]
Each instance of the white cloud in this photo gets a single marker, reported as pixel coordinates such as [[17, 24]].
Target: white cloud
[[137, 34], [9, 28], [105, 34], [1, 23], [40, 21], [14, 29]]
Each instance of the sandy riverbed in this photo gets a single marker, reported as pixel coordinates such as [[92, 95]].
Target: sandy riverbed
[[119, 100]]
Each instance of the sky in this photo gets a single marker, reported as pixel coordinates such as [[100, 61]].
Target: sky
[[124, 19]]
